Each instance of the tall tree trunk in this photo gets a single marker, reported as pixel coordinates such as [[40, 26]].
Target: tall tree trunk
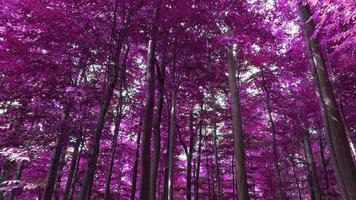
[[311, 167], [282, 194], [172, 133], [118, 38], [325, 169], [337, 139], [239, 151], [72, 168], [157, 131], [165, 186], [149, 105], [59, 177], [197, 175], [233, 178], [5, 174], [55, 162], [135, 167], [19, 171], [113, 147], [76, 172], [189, 158], [214, 124], [296, 178], [147, 125]]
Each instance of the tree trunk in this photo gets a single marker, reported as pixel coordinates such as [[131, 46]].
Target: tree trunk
[[5, 174], [296, 178], [17, 177], [108, 93], [76, 173], [72, 168], [311, 167], [157, 131], [59, 177], [197, 175], [189, 158], [113, 147], [172, 134], [325, 169], [337, 139], [52, 172], [135, 167], [147, 124], [239, 151], [282, 194], [214, 124]]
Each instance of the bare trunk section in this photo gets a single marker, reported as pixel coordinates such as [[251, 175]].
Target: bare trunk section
[[311, 167], [135, 168], [282, 194], [59, 177], [147, 124], [189, 158], [336, 134], [197, 171], [55, 162], [325, 169], [117, 127], [5, 174], [117, 38], [20, 166], [172, 134], [72, 168], [214, 124], [157, 131], [239, 151]]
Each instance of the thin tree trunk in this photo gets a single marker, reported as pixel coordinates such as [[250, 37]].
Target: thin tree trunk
[[108, 93], [172, 133], [157, 131], [296, 178], [197, 175], [239, 151], [59, 177], [72, 168], [135, 167], [311, 167], [325, 168], [233, 178], [55, 162], [337, 139], [113, 148], [165, 188], [189, 158], [17, 177], [5, 174], [76, 173], [282, 194]]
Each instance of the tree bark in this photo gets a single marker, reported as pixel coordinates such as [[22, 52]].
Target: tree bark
[[214, 124], [239, 151], [59, 177], [282, 194], [17, 177], [172, 134], [147, 125], [325, 169], [337, 140], [197, 175], [311, 167], [108, 93], [189, 158], [135, 167], [157, 131], [72, 168], [55, 162], [113, 147], [5, 174]]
